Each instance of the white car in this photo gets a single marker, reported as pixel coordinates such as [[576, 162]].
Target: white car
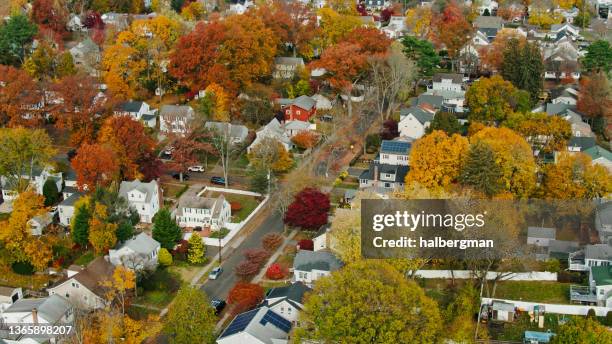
[[214, 274], [197, 168]]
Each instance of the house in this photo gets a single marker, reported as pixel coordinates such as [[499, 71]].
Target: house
[[322, 102], [138, 253], [87, 56], [75, 23], [237, 132], [450, 88], [560, 249], [139, 111], [414, 121], [51, 310], [488, 22], [39, 178], [320, 240], [206, 212], [396, 27], [540, 236], [8, 296], [118, 20], [502, 311], [309, 266], [568, 95], [388, 171], [376, 4], [429, 101], [40, 222], [145, 198], [603, 222], [600, 281], [257, 326], [287, 67], [567, 28], [300, 108], [273, 130], [536, 337], [293, 128], [591, 255], [600, 156], [175, 118], [85, 289], [66, 208], [287, 301]]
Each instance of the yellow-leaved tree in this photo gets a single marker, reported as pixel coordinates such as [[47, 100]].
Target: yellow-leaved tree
[[574, 176], [220, 111], [119, 286], [334, 27], [101, 234], [418, 21]]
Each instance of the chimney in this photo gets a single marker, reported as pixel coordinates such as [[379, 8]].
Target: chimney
[[34, 316]]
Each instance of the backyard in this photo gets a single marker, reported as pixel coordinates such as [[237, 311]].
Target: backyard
[[247, 204], [158, 289]]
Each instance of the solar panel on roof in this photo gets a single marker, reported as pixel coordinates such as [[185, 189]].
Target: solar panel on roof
[[240, 322], [276, 320], [395, 146]]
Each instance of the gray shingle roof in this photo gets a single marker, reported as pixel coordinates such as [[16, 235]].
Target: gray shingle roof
[[236, 130], [541, 232], [141, 243], [488, 22], [421, 115], [320, 260], [50, 308], [289, 61], [435, 101], [582, 141], [304, 102], [130, 106], [72, 199], [456, 78], [294, 292], [176, 111], [399, 171], [598, 251]]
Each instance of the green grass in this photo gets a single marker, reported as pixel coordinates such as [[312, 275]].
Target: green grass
[[537, 291], [4, 216], [248, 203], [85, 258], [159, 288], [181, 191], [220, 234]]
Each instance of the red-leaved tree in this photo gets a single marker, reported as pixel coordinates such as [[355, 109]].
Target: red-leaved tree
[[95, 165], [257, 256], [271, 241], [246, 269], [276, 272], [306, 244], [245, 296], [308, 210]]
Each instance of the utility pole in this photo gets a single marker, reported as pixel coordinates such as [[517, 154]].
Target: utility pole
[[219, 251], [269, 181]]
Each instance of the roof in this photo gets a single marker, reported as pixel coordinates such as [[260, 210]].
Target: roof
[[235, 130], [141, 243], [502, 306], [148, 189], [541, 232], [71, 200], [540, 337], [581, 141], [198, 202], [488, 22], [130, 106], [597, 152], [395, 147], [304, 102], [7, 291], [562, 246], [297, 125], [294, 292], [435, 101], [96, 272], [176, 111], [400, 172], [558, 108], [456, 78], [51, 308], [421, 115], [598, 251], [261, 323], [489, 32], [290, 61], [602, 275], [320, 260]]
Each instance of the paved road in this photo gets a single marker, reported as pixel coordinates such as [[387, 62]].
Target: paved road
[[219, 288]]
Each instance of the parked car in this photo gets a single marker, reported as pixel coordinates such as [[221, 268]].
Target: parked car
[[196, 168], [178, 176], [218, 305], [218, 180], [214, 274]]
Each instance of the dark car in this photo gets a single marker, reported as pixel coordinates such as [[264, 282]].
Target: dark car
[[218, 305], [178, 176], [218, 180]]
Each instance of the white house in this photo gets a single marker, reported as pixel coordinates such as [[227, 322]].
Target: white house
[[274, 130], [450, 87], [388, 171], [287, 67], [8, 296], [293, 128], [257, 326], [66, 208], [195, 211], [40, 222], [139, 111], [237, 132], [309, 266], [322, 102], [600, 156], [287, 301], [540, 236], [414, 121], [320, 240], [591, 255], [175, 118], [145, 198], [138, 253], [39, 178], [84, 289]]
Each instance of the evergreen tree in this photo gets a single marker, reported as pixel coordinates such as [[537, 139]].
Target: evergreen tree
[[197, 250], [523, 66], [125, 231], [447, 122], [15, 36], [598, 57], [481, 171], [259, 181], [50, 192], [80, 225], [165, 230], [423, 52]]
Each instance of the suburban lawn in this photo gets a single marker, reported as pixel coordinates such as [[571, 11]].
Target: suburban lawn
[[85, 258], [247, 203], [184, 272], [173, 189], [538, 291], [158, 289]]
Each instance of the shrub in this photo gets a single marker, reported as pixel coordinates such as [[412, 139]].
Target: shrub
[[23, 268], [272, 241], [246, 269], [608, 319], [181, 249], [591, 313], [220, 234], [197, 251], [245, 296], [165, 258], [235, 206], [258, 256], [276, 272], [306, 244]]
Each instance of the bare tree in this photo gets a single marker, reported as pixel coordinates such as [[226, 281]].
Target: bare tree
[[222, 142], [391, 78]]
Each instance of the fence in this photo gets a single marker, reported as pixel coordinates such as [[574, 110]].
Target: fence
[[554, 308], [491, 275]]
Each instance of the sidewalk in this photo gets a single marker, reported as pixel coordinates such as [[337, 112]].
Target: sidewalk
[[224, 252]]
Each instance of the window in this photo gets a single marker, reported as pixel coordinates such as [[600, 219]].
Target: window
[[67, 295], [289, 310]]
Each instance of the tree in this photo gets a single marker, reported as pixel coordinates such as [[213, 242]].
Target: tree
[[270, 154], [191, 318], [79, 223], [340, 308], [481, 170], [492, 56], [256, 106], [121, 282], [64, 65], [389, 130], [436, 159], [418, 21], [245, 270], [244, 296], [165, 230], [40, 65], [272, 241], [93, 20], [423, 53], [544, 133], [583, 19], [452, 29], [581, 330], [595, 99], [15, 39], [309, 209], [23, 150], [258, 256], [95, 165], [514, 157], [187, 147], [197, 250], [446, 122], [276, 272], [334, 27], [543, 17], [574, 176], [101, 233], [125, 231], [50, 193], [220, 102], [305, 139], [52, 14], [598, 57], [523, 66], [165, 258], [194, 11], [18, 91], [492, 99]]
